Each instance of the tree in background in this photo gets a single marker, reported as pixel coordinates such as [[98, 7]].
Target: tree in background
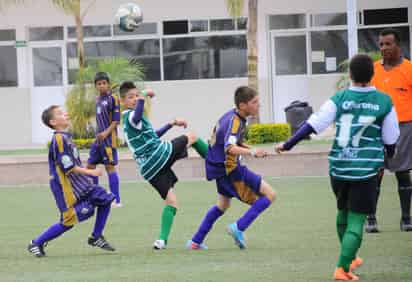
[[235, 9]]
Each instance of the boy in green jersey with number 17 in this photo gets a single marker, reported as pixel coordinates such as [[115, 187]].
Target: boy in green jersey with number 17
[[154, 156], [366, 129]]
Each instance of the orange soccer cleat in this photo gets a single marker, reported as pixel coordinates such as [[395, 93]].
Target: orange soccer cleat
[[341, 275]]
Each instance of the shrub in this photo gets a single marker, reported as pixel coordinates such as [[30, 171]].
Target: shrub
[[86, 143], [264, 133]]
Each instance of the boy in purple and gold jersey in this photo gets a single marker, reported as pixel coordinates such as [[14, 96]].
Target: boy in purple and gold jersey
[[75, 194], [233, 179], [104, 149]]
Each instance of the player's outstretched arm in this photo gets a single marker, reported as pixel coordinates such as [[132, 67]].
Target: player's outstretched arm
[[304, 131], [254, 152]]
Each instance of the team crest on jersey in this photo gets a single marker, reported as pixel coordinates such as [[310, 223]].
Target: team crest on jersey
[[104, 103], [66, 161], [84, 211], [232, 140]]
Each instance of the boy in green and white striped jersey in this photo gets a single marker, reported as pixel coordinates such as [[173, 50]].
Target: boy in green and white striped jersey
[[154, 156], [366, 129]]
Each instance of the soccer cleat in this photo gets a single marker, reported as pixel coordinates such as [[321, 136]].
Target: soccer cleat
[[237, 235], [159, 244], [101, 243], [371, 225], [341, 275], [406, 224], [190, 245], [357, 262], [36, 250]]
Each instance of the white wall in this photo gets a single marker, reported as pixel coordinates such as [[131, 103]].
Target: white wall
[[15, 117]]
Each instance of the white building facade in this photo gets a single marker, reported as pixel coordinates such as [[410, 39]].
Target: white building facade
[[194, 55]]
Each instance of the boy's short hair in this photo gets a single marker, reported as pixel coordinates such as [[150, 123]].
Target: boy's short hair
[[125, 87], [48, 115], [391, 31], [101, 75], [361, 68], [244, 94]]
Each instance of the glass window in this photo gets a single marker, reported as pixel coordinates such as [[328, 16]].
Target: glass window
[[146, 52], [205, 57], [199, 26], [8, 66], [369, 39], [290, 55], [144, 28], [329, 50], [175, 27], [385, 16], [242, 23], [90, 31], [45, 33], [287, 21], [328, 19], [222, 24], [47, 66], [7, 35]]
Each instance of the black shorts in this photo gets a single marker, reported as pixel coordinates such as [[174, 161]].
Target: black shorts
[[165, 179], [356, 196]]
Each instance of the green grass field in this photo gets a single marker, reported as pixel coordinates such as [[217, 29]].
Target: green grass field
[[294, 240]]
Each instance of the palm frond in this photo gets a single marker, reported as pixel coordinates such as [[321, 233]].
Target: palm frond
[[70, 7], [6, 3], [235, 7]]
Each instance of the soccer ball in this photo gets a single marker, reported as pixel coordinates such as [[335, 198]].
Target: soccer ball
[[129, 16]]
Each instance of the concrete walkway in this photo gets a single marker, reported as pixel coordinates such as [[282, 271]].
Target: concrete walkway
[[304, 160]]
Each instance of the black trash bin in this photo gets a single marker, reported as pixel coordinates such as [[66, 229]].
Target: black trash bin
[[296, 113]]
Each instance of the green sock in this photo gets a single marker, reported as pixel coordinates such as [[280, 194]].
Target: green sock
[[352, 239], [167, 222], [341, 223], [201, 147]]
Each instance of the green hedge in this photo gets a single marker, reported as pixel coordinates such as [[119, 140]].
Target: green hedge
[[264, 133], [87, 143]]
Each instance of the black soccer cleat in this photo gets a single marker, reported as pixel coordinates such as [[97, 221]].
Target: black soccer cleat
[[101, 243], [371, 225], [36, 250], [406, 224]]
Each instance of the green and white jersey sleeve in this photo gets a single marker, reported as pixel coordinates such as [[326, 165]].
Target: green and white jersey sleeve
[[150, 152]]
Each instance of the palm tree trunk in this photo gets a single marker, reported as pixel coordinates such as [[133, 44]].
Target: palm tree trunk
[[252, 49], [80, 43]]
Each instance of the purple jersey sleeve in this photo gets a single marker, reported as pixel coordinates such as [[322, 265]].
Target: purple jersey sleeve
[[115, 109], [64, 155], [161, 131], [138, 112], [233, 133]]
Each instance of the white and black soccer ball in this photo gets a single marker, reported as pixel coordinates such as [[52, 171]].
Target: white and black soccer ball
[[129, 16]]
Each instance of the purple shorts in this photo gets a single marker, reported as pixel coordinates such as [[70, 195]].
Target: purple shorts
[[241, 183], [84, 208], [100, 154]]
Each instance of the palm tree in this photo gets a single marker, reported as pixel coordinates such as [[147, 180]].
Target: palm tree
[[73, 8], [80, 101], [235, 9]]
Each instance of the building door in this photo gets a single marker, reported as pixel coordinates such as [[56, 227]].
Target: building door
[[289, 71], [47, 80]]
